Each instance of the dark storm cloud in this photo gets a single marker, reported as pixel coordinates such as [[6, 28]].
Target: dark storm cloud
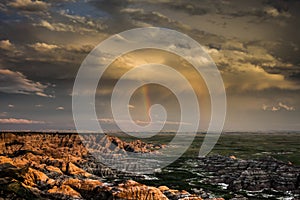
[[46, 46], [44, 62], [295, 75], [280, 5], [227, 8], [255, 65], [41, 61], [142, 18], [66, 22], [192, 7], [116, 21], [17, 83], [256, 53], [111, 6], [254, 43]]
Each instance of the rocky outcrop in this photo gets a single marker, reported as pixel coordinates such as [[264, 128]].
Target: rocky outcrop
[[132, 190], [134, 146], [67, 151], [251, 175], [64, 192], [58, 166], [176, 194], [30, 183]]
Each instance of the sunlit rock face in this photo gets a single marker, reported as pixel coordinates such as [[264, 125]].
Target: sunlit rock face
[[59, 166]]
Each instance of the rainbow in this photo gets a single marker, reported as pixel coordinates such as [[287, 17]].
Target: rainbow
[[147, 101]]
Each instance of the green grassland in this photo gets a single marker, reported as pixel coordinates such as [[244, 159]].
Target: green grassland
[[282, 146]]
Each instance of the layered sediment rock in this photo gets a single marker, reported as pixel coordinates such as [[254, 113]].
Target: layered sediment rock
[[134, 190], [30, 183], [59, 166], [251, 175]]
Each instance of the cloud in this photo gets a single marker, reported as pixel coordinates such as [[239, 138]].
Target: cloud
[[245, 68], [250, 77], [107, 120], [19, 121], [11, 106], [88, 22], [233, 51], [29, 5], [133, 10], [73, 23], [59, 27], [274, 12], [46, 24], [85, 48], [55, 55], [3, 114], [3, 8], [190, 7], [286, 107], [6, 45], [91, 24], [43, 46], [141, 122], [16, 83], [278, 107], [130, 106], [140, 18], [60, 108]]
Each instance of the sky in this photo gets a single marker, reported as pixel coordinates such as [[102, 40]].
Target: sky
[[255, 45]]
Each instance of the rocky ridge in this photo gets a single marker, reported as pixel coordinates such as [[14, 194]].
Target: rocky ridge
[[259, 175], [59, 166]]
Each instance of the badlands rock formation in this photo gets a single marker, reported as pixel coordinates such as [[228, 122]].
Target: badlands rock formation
[[252, 175], [59, 166]]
